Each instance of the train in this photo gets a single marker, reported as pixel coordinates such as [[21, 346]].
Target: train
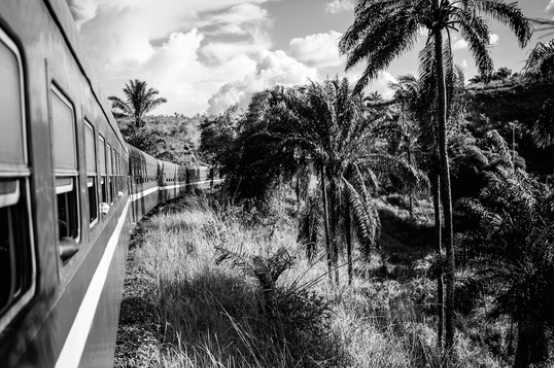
[[71, 190]]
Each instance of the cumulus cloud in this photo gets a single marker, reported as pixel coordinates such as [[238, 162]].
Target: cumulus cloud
[[317, 50], [459, 44], [272, 68], [238, 20], [380, 84], [178, 52], [339, 6], [549, 7], [493, 38]]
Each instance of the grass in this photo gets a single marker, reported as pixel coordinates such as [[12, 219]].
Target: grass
[[182, 308]]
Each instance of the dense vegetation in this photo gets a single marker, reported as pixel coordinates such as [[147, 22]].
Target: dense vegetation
[[429, 218]]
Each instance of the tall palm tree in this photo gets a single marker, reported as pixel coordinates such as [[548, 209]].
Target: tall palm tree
[[405, 92], [383, 30], [139, 101], [330, 127]]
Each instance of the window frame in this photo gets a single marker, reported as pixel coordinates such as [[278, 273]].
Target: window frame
[[61, 174], [103, 175], [92, 174], [22, 175]]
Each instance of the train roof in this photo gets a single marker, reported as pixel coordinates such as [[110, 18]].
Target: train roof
[[62, 16]]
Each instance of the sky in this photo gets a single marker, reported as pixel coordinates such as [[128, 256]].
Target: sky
[[205, 55]]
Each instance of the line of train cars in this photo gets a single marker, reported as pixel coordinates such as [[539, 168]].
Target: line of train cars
[[70, 190]]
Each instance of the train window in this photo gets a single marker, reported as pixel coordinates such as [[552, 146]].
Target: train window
[[103, 182], [65, 166], [109, 173], [17, 258], [114, 174], [92, 191]]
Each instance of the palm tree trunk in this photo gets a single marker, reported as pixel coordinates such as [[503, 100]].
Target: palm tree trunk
[[349, 242], [445, 196], [326, 222], [334, 230], [439, 249], [408, 153]]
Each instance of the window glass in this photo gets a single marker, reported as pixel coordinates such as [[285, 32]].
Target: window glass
[[17, 259], [109, 159], [65, 166], [90, 150], [11, 140], [102, 155], [63, 139]]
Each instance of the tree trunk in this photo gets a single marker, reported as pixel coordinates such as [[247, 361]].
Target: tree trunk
[[349, 242], [334, 230], [445, 196], [326, 222], [409, 156], [439, 249]]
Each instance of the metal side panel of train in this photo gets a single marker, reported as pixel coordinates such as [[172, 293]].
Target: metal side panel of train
[[64, 212], [144, 183]]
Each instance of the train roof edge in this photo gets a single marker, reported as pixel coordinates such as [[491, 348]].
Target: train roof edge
[[61, 13]]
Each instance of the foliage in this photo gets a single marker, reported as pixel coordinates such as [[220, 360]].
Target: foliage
[[513, 256], [530, 103], [139, 101], [540, 61], [173, 139], [218, 134]]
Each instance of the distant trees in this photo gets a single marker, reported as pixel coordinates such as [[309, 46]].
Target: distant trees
[[384, 30], [139, 101], [218, 133]]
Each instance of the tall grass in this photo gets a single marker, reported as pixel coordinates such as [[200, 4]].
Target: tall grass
[[201, 313]]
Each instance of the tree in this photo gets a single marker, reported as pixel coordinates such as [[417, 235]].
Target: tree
[[406, 91], [331, 130], [502, 73], [383, 30], [514, 255], [218, 134], [139, 101]]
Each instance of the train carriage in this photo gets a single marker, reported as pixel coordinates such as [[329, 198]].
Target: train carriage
[[70, 188], [143, 169]]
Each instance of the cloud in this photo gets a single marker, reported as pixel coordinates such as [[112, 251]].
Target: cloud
[[272, 68], [187, 57], [549, 8], [459, 44], [493, 38], [380, 84], [464, 64], [238, 20], [339, 6], [317, 50]]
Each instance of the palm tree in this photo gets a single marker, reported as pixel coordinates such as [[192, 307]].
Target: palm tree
[[140, 101], [332, 130], [405, 92], [383, 30], [515, 255]]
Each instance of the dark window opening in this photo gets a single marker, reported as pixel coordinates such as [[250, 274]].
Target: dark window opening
[[68, 223], [16, 268], [93, 201], [104, 190]]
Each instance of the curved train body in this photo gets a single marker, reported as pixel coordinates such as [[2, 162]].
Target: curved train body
[[70, 189]]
